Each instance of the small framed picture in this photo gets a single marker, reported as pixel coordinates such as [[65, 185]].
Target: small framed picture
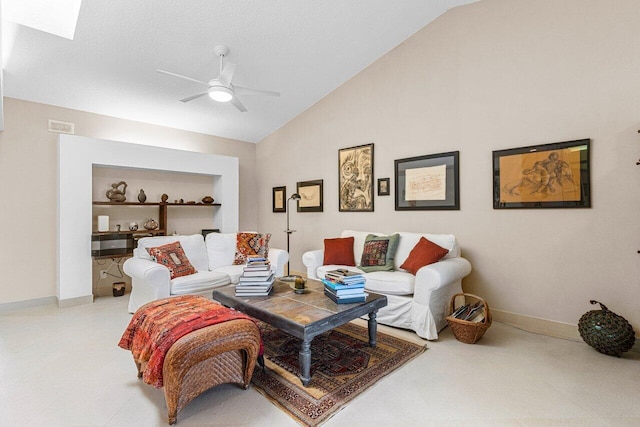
[[310, 196], [279, 198], [383, 186]]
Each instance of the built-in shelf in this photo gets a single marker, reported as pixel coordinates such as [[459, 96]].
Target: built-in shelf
[[162, 221]]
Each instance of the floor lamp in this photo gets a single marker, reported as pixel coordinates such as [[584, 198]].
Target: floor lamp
[[294, 196]]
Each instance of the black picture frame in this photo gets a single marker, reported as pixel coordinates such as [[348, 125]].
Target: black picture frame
[[279, 199], [311, 198], [429, 182], [384, 188], [556, 175], [355, 179]]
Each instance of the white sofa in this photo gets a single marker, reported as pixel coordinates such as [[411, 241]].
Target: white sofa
[[212, 257], [419, 302]]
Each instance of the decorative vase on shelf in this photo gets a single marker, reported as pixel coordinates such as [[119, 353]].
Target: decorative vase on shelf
[[141, 196], [207, 199], [150, 224], [117, 192], [164, 198]]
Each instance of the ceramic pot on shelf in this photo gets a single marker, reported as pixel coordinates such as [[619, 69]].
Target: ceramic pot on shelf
[[150, 224]]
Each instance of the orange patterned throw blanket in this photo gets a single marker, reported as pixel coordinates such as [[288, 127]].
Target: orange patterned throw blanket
[[156, 326]]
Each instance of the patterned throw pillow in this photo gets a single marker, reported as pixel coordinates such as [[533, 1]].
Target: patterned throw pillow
[[173, 257], [425, 252], [248, 244], [379, 252]]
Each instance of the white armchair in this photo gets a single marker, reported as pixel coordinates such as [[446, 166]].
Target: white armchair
[[212, 258]]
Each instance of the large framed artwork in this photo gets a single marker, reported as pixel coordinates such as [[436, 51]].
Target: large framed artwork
[[310, 196], [355, 179], [543, 176], [428, 182], [279, 199]]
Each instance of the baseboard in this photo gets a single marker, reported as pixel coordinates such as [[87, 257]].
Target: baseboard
[[71, 302], [537, 325], [10, 306]]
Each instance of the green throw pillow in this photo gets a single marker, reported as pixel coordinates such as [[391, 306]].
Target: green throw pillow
[[379, 252]]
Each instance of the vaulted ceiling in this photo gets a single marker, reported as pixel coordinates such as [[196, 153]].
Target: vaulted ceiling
[[303, 49]]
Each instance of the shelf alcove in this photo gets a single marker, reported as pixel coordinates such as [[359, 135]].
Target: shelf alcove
[[76, 157]]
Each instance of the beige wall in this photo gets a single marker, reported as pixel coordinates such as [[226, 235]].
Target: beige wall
[[28, 173], [492, 75]]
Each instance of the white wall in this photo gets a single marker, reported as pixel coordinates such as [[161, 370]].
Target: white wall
[[28, 171], [492, 75]]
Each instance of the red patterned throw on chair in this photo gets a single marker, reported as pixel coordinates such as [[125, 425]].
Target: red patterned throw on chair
[[156, 326]]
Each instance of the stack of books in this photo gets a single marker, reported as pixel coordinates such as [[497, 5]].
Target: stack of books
[[344, 287], [257, 278]]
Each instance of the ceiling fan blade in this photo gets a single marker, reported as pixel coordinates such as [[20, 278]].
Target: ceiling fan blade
[[236, 103], [246, 91], [192, 97], [227, 73], [182, 77]]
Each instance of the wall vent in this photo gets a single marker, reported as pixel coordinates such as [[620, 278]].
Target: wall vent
[[61, 127]]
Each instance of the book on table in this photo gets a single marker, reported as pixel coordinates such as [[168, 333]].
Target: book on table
[[346, 300], [257, 273], [254, 293], [256, 280], [350, 292], [350, 278], [335, 286]]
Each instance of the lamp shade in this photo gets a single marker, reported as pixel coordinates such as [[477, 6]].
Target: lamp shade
[[220, 94], [295, 196]]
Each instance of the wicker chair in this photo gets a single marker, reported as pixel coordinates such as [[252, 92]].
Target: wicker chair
[[217, 354]]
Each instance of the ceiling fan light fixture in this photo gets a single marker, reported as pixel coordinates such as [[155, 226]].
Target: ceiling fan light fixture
[[220, 94]]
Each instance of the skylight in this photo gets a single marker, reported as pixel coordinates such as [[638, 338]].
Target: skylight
[[58, 17]]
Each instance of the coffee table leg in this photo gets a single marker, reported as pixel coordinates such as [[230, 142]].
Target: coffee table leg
[[305, 362], [373, 328]]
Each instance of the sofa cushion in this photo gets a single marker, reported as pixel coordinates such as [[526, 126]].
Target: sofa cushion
[[233, 271], [193, 246], [425, 252], [339, 251], [198, 282], [390, 282], [221, 249], [379, 252], [173, 257], [248, 244]]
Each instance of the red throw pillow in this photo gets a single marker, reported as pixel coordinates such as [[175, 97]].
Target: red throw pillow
[[339, 251], [425, 252], [173, 257]]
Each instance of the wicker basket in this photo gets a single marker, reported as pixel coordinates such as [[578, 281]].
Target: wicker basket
[[464, 330]]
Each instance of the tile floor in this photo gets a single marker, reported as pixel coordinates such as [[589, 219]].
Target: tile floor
[[62, 367]]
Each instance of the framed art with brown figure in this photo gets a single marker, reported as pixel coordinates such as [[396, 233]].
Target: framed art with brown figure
[[556, 175], [310, 196], [428, 182]]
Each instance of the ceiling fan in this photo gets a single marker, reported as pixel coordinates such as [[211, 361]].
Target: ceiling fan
[[220, 88]]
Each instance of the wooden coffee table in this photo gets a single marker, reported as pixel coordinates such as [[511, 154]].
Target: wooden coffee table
[[303, 315]]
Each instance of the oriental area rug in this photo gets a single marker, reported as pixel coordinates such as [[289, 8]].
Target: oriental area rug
[[342, 367]]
